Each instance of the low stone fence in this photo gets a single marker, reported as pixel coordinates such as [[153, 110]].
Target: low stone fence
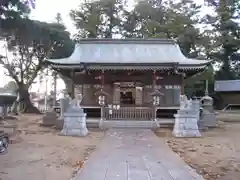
[[228, 116]]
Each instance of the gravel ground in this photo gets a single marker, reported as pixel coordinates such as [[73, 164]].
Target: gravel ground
[[39, 153], [216, 155]]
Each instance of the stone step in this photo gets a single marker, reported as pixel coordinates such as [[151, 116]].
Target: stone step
[[94, 123], [129, 124]]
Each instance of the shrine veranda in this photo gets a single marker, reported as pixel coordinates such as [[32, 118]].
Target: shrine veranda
[[127, 79]]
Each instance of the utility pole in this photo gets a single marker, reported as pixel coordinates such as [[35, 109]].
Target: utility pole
[[55, 88], [59, 21], [46, 92]]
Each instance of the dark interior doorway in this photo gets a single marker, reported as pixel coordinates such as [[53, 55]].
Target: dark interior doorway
[[126, 97]]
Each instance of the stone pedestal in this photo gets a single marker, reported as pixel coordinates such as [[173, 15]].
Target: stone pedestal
[[185, 125], [209, 119], [74, 121], [208, 114], [49, 119], [59, 123], [186, 120]]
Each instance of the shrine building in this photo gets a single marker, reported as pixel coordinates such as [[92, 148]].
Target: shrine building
[[127, 79]]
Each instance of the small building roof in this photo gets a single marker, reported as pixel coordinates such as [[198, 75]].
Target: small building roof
[[227, 86], [127, 51]]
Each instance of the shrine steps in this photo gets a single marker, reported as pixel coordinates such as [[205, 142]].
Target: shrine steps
[[92, 122], [166, 113], [162, 122], [129, 124]]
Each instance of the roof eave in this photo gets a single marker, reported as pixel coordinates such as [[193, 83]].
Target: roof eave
[[127, 67], [173, 64], [126, 41]]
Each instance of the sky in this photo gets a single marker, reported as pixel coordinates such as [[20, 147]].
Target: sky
[[46, 10]]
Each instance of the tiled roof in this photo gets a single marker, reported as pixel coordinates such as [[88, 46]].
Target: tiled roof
[[127, 51], [227, 86]]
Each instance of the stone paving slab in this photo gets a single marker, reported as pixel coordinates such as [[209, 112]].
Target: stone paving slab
[[135, 154]]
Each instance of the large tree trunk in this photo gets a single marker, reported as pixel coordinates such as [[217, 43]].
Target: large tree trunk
[[225, 72], [24, 103], [68, 84], [14, 109]]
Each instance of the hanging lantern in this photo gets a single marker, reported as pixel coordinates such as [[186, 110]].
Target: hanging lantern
[[101, 100], [156, 95], [156, 100], [102, 97]]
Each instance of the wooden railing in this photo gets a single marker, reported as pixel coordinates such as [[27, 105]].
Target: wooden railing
[[128, 113]]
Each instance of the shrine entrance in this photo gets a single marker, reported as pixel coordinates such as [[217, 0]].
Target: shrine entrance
[[128, 99]]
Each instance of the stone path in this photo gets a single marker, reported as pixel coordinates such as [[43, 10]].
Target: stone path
[[135, 154]]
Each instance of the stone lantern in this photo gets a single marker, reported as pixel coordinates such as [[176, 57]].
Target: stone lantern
[[208, 118], [102, 100], [208, 115], [156, 96], [207, 103]]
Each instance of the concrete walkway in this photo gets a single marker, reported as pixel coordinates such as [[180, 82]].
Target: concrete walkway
[[135, 154]]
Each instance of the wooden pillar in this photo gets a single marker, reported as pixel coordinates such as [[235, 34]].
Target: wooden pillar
[[154, 114], [116, 93], [182, 83], [138, 94], [82, 89], [154, 80], [73, 85], [102, 107], [103, 80]]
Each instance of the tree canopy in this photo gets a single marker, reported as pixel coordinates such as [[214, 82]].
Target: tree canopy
[[225, 35], [218, 38], [148, 19], [30, 44], [13, 12]]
